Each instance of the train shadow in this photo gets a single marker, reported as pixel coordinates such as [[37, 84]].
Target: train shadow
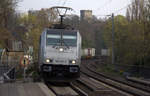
[[58, 84]]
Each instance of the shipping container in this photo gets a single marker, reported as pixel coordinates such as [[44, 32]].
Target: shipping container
[[88, 53], [105, 52]]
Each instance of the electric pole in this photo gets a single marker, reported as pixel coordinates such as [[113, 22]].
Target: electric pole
[[113, 50]]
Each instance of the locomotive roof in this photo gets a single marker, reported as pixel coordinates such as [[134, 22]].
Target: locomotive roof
[[61, 30]]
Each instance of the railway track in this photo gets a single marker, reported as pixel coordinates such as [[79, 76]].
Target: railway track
[[92, 83], [127, 80], [65, 89], [95, 88], [84, 86], [126, 87], [139, 81], [139, 84]]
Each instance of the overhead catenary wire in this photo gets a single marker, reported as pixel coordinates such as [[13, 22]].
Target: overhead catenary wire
[[125, 7], [116, 11], [64, 3], [122, 8], [58, 2], [104, 5]]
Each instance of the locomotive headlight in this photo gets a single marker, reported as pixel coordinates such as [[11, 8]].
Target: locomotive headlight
[[47, 60], [61, 49], [73, 61]]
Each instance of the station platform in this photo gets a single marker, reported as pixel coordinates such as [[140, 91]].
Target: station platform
[[25, 89]]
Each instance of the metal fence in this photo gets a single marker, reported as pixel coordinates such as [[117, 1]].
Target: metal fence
[[10, 64], [8, 70], [3, 69]]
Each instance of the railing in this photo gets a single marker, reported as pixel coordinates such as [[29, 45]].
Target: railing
[[10, 74], [8, 71], [10, 65]]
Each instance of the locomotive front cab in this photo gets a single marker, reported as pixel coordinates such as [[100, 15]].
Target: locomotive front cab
[[60, 50], [61, 55]]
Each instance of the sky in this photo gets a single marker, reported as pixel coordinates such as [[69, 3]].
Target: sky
[[98, 7]]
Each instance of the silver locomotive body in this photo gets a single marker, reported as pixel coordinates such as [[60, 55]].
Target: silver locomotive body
[[60, 54]]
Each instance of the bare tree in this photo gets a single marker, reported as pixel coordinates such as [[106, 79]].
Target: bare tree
[[7, 18], [136, 11]]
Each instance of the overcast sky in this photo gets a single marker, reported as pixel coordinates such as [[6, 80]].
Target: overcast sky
[[99, 7]]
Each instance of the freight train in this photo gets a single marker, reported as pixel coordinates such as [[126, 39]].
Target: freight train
[[88, 53]]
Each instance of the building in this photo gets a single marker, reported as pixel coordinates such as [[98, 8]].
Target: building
[[85, 15], [14, 45], [33, 12]]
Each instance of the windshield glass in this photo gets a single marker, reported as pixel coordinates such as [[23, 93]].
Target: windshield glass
[[70, 40], [53, 39], [67, 40]]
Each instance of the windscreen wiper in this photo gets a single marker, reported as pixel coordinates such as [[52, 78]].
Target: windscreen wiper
[[65, 44]]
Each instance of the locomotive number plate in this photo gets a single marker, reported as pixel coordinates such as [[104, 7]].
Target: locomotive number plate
[[60, 61]]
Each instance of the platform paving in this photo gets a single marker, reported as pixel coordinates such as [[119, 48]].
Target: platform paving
[[64, 91], [25, 89]]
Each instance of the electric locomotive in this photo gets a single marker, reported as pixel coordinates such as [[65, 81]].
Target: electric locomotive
[[60, 53]]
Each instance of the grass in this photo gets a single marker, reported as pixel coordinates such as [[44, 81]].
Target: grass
[[110, 70]]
